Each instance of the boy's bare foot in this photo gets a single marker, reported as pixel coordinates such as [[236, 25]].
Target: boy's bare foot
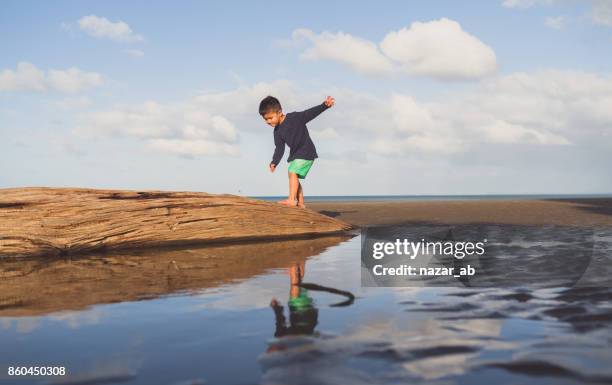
[[302, 206], [287, 202]]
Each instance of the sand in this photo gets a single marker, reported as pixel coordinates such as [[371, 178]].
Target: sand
[[574, 212]]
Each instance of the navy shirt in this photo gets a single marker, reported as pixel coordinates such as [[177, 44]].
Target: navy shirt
[[293, 132]]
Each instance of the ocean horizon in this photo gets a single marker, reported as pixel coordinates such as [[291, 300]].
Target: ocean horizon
[[388, 198]]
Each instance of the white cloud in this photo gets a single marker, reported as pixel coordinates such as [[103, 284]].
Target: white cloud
[[72, 80], [409, 116], [134, 53], [601, 12], [359, 54], [101, 27], [439, 49], [501, 131], [546, 108], [415, 129], [571, 102], [186, 128], [557, 22], [203, 125], [27, 77]]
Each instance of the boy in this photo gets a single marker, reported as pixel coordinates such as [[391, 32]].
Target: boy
[[291, 129]]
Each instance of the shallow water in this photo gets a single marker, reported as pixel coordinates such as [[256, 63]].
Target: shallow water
[[205, 316]]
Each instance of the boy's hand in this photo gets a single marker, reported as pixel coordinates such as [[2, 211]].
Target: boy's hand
[[272, 167], [329, 101]]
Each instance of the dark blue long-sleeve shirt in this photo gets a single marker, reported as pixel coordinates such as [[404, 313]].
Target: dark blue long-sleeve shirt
[[293, 132]]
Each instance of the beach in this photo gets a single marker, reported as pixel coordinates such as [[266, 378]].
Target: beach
[[565, 211], [536, 307]]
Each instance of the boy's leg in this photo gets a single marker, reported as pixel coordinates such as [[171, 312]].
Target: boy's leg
[[293, 190], [300, 196]]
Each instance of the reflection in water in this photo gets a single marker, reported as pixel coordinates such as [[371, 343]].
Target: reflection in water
[[303, 317], [36, 286], [221, 314], [303, 314]]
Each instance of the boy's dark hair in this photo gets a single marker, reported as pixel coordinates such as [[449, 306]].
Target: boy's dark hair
[[269, 103]]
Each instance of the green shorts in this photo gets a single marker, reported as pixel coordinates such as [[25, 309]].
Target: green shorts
[[301, 302], [300, 167]]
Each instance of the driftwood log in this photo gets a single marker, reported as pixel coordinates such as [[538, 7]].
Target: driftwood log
[[63, 221]]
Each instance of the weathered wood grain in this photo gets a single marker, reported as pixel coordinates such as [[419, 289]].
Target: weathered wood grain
[[62, 221]]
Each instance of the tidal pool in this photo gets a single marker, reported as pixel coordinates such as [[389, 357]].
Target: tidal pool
[[230, 315]]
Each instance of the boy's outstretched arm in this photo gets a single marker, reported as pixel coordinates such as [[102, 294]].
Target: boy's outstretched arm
[[278, 151], [311, 113]]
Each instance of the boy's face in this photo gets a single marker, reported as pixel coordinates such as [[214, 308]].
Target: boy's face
[[273, 117]]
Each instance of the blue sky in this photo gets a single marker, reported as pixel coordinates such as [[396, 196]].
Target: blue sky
[[436, 97]]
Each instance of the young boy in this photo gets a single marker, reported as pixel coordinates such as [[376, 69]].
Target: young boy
[[291, 129]]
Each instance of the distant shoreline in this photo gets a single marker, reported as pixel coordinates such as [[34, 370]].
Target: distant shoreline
[[395, 198]]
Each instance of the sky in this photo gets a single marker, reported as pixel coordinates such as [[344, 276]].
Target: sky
[[432, 97]]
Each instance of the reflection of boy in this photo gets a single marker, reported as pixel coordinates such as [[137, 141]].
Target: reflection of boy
[[303, 315]]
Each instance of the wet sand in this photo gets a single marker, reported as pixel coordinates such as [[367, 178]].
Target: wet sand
[[573, 212]]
